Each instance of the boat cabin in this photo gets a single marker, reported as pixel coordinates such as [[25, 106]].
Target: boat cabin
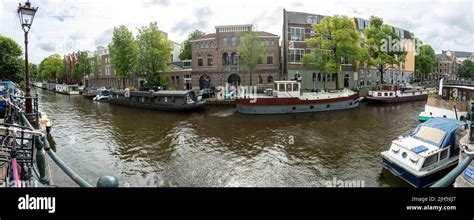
[[286, 89], [457, 93]]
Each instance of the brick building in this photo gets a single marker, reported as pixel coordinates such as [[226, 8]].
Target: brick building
[[216, 60], [297, 26]]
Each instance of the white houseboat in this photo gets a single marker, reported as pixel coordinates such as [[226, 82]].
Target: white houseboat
[[67, 89], [401, 93]]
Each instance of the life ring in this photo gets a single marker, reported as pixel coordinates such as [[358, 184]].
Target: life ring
[[127, 93]]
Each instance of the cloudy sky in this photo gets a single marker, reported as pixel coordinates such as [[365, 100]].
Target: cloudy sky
[[63, 26]]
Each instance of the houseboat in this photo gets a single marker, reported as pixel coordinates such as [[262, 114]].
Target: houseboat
[[451, 101], [286, 97], [400, 93], [427, 154], [180, 100], [67, 89], [90, 93]]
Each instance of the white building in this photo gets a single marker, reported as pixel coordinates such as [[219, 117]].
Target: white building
[[176, 51]]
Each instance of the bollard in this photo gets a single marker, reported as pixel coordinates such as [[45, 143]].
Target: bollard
[[108, 181]]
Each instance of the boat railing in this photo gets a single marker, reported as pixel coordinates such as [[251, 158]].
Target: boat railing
[[434, 101]]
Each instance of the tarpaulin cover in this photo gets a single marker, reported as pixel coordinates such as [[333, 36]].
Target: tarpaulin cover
[[449, 126]]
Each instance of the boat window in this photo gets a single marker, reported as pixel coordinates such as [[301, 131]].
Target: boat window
[[295, 87], [281, 87], [430, 134], [379, 94], [391, 94], [430, 160], [444, 154], [385, 94], [288, 87]]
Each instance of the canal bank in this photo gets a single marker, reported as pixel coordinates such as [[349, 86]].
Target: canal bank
[[220, 147]]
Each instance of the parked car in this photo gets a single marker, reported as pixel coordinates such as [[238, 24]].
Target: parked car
[[207, 93]]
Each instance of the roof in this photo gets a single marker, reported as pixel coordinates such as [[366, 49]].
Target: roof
[[445, 138], [266, 34], [459, 53], [207, 36]]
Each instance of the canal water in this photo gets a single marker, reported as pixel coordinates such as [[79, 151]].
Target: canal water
[[221, 147]]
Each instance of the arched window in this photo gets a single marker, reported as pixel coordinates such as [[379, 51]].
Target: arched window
[[225, 59], [209, 60], [270, 79], [233, 58]]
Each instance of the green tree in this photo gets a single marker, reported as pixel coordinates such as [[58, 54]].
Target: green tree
[[335, 40], [123, 53], [83, 67], [186, 50], [11, 62], [380, 40], [466, 70], [425, 61], [50, 67], [250, 50], [154, 54]]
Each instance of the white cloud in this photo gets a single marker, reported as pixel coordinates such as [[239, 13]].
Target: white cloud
[[62, 26]]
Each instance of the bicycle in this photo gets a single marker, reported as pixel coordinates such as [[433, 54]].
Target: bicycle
[[16, 162]]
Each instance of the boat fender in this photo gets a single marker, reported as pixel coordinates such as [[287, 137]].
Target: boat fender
[[127, 93]]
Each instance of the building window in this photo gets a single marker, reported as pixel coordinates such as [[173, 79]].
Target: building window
[[267, 42], [206, 45], [269, 79], [297, 34], [296, 55], [319, 77], [201, 45], [233, 40], [224, 41], [209, 60], [270, 58], [233, 58], [225, 59], [200, 61], [260, 79], [315, 77], [272, 42]]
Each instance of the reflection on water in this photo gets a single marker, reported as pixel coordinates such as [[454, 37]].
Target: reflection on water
[[220, 147]]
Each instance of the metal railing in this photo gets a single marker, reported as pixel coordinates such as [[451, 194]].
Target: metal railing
[[42, 146], [451, 176]]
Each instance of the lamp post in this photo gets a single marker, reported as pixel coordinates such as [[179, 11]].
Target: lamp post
[[26, 14]]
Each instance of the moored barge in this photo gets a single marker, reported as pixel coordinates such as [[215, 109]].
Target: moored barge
[[179, 100], [286, 97]]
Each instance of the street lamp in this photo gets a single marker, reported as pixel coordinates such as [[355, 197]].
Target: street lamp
[[26, 14]]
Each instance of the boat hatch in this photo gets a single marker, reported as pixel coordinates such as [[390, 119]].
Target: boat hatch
[[419, 149]]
